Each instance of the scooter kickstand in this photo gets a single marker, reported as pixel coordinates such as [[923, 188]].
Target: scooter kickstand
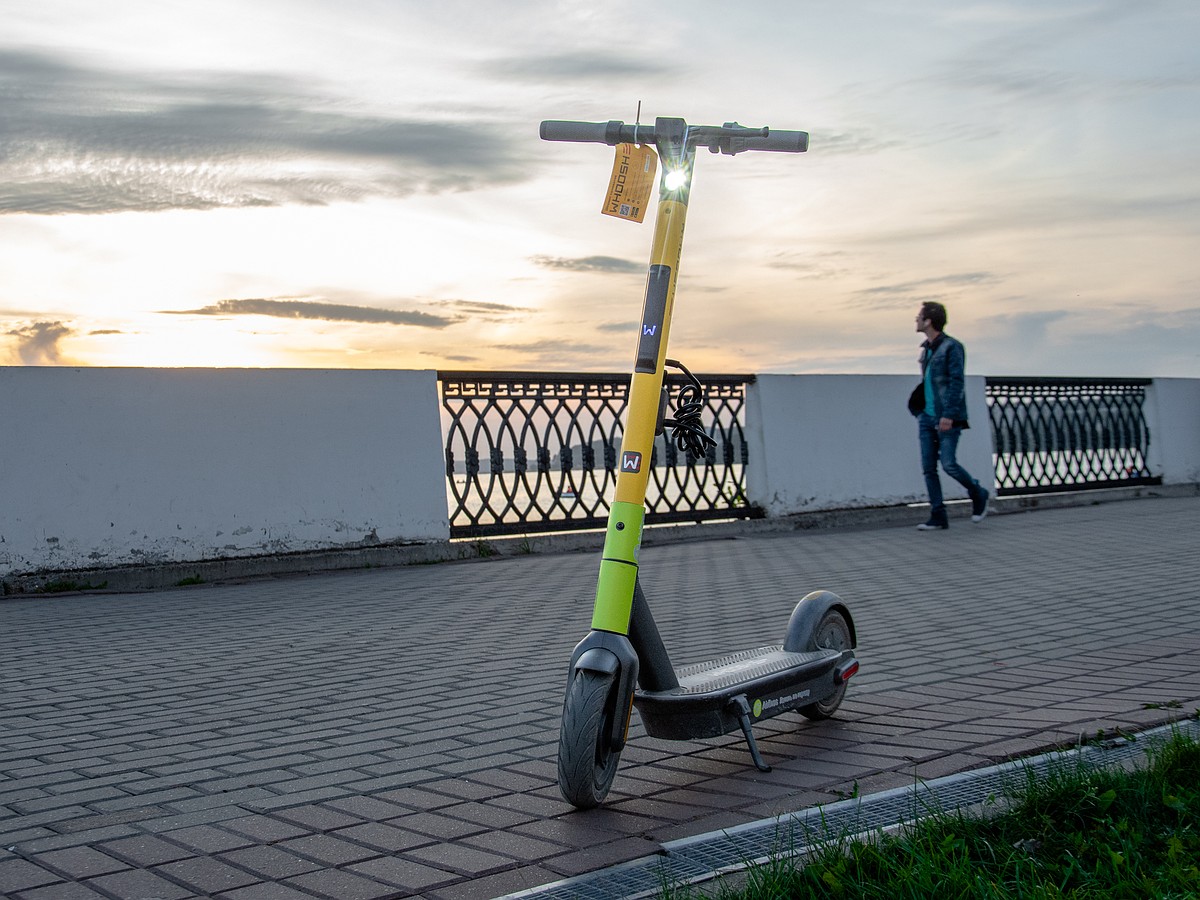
[[742, 705]]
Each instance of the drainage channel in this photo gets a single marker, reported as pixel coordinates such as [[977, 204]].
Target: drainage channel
[[707, 856]]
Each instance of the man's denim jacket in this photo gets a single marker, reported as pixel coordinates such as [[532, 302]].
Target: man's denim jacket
[[947, 360]]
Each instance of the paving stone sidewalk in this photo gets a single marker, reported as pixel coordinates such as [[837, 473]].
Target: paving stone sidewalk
[[391, 732]]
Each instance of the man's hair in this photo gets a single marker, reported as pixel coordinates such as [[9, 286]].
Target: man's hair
[[935, 313]]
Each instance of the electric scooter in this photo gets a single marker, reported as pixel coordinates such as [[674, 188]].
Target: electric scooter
[[622, 662]]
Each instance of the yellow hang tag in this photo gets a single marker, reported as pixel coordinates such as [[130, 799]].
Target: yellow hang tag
[[631, 183]]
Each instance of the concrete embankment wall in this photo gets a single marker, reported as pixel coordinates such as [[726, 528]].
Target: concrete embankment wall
[[109, 468], [820, 442]]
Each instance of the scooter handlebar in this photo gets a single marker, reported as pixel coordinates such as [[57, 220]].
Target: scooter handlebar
[[777, 141], [729, 138], [585, 132]]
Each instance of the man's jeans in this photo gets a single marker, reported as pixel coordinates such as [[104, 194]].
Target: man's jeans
[[936, 443]]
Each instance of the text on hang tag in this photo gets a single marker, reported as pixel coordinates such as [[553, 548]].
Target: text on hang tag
[[631, 182]]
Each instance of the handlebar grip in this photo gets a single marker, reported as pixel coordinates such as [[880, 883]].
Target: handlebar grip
[[777, 141], [579, 132], [783, 141]]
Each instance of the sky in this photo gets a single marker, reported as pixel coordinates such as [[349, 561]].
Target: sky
[[360, 184]]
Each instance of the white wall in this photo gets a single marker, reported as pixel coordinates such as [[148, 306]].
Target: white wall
[[107, 467], [842, 441], [1173, 416], [110, 467]]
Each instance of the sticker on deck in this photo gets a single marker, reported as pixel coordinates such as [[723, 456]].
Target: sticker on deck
[[631, 183]]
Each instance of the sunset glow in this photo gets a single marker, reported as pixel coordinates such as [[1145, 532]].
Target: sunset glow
[[363, 185]]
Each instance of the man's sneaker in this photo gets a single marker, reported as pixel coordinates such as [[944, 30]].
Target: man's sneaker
[[979, 506], [933, 525]]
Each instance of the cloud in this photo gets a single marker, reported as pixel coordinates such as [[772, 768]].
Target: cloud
[[555, 354], [481, 310], [452, 357], [322, 311], [1137, 207], [482, 306], [1084, 343], [851, 143], [557, 67], [1031, 326], [1027, 57], [922, 284], [906, 293], [598, 264], [79, 140], [1010, 83], [37, 344], [551, 345], [827, 266]]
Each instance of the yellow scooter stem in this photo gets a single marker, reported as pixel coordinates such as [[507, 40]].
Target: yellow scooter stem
[[619, 564]]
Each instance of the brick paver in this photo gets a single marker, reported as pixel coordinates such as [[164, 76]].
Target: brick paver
[[391, 732]]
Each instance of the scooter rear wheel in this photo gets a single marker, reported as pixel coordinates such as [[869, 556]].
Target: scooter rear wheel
[[831, 633], [587, 763]]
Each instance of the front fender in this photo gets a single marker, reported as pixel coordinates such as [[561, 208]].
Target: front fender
[[610, 654], [597, 659]]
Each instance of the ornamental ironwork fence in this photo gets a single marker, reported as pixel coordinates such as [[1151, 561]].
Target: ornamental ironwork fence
[[1068, 434], [536, 452]]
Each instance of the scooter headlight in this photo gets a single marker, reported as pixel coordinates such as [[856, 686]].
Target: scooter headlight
[[674, 179]]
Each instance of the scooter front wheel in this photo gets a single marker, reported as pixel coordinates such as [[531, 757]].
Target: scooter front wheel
[[587, 763], [832, 633]]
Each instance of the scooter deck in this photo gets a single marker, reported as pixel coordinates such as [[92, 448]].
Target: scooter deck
[[770, 679], [745, 666]]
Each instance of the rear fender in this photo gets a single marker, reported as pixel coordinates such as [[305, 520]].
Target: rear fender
[[802, 626]]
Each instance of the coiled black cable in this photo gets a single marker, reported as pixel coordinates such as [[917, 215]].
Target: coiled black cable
[[687, 431]]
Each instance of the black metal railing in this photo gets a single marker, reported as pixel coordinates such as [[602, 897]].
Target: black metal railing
[[536, 452], [1068, 434]]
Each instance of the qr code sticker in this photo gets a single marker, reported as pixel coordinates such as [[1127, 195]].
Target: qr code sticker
[[626, 209]]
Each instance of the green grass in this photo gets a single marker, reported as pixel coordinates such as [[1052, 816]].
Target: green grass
[[483, 549], [1076, 833]]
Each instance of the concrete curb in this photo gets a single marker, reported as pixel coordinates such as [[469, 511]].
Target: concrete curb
[[172, 575]]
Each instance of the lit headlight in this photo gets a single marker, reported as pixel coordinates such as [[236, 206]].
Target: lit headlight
[[674, 179]]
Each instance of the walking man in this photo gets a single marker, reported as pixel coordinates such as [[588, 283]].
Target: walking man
[[941, 422]]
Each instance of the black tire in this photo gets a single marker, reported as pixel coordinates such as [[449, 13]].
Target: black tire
[[587, 763], [832, 633]]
